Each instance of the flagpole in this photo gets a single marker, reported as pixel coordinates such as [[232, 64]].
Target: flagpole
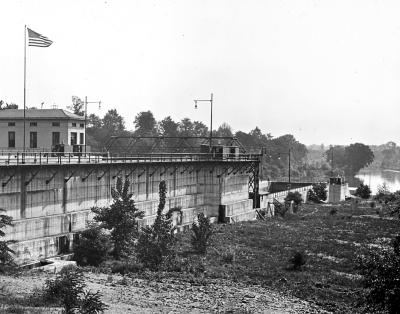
[[24, 86]]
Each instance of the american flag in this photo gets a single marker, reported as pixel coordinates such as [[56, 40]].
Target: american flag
[[37, 40]]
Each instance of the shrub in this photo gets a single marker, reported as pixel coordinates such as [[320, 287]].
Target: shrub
[[318, 193], [201, 233], [68, 290], [295, 197], [297, 260], [93, 246], [6, 257], [125, 267], [121, 218], [363, 191], [381, 278], [156, 242]]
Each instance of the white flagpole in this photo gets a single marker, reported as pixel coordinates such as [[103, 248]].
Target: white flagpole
[[24, 87]]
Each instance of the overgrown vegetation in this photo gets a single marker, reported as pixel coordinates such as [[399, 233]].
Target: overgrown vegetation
[[201, 234], [294, 197], [6, 253], [156, 242], [68, 291], [381, 277], [121, 219]]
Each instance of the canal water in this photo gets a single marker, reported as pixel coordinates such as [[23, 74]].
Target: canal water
[[375, 178]]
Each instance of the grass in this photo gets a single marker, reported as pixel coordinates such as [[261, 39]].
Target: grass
[[262, 250]]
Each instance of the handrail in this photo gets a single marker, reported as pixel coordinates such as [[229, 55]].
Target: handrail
[[13, 158]]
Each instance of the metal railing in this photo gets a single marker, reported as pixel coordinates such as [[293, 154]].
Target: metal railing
[[13, 158]]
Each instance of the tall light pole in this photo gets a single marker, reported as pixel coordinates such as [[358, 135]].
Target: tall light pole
[[86, 103], [211, 103]]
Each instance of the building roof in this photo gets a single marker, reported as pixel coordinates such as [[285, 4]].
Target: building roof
[[38, 114]]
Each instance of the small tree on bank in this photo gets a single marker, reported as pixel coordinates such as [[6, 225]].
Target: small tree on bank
[[318, 193], [201, 233], [156, 242], [363, 191], [121, 218], [6, 257]]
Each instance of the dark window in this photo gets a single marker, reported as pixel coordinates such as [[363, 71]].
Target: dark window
[[82, 125], [11, 139], [81, 138], [55, 138], [33, 140], [33, 124], [11, 123], [74, 138], [55, 123], [73, 124]]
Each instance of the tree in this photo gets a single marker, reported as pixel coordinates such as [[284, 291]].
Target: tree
[[357, 156], [224, 130], [94, 121], [155, 242], [168, 127], [77, 106], [121, 218], [199, 129], [113, 122], [363, 191], [145, 124], [93, 246], [6, 257], [186, 127], [318, 192], [201, 233]]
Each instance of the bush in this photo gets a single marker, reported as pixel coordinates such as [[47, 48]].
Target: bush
[[318, 193], [363, 191], [201, 233], [93, 246], [381, 278], [68, 290], [121, 218], [295, 197], [298, 260], [125, 267], [156, 242]]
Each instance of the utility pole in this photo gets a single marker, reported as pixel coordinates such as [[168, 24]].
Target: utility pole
[[211, 103], [86, 103]]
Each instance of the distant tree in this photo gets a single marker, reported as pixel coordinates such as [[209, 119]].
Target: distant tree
[[186, 127], [336, 157], [94, 121], [4, 105], [363, 191], [113, 122], [77, 106], [168, 127], [145, 124], [224, 130], [121, 218], [357, 157], [199, 129]]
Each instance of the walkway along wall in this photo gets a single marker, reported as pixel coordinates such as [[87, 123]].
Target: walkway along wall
[[51, 203]]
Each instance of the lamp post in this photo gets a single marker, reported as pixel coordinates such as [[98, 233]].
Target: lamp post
[[211, 103]]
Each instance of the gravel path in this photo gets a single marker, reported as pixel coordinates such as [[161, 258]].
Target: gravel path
[[127, 295]]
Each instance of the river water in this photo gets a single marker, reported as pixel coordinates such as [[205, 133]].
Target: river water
[[375, 178]]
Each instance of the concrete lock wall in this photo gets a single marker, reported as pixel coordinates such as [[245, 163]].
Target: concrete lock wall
[[49, 204]]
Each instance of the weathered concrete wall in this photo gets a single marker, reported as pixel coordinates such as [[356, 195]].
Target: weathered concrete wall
[[49, 204], [337, 192]]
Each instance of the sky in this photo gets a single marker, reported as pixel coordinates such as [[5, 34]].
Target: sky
[[326, 71]]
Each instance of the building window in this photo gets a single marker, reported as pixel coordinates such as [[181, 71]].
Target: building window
[[55, 123], [81, 138], [74, 138], [55, 138], [74, 124], [82, 125], [11, 123], [33, 124], [11, 139], [33, 140]]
